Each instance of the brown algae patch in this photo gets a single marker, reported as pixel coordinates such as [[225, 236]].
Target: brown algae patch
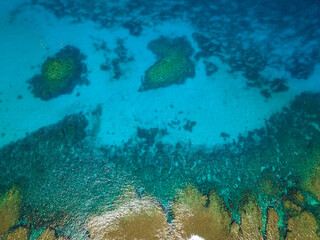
[[20, 233], [311, 182], [303, 227], [251, 219], [272, 229], [205, 216], [132, 218], [9, 209]]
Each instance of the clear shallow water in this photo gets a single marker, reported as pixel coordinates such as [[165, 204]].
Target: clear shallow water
[[184, 118]]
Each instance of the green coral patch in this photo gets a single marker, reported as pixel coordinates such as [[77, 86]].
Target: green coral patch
[[172, 69], [59, 74], [174, 65]]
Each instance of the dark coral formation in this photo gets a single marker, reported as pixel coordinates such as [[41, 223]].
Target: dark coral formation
[[122, 57], [250, 62], [59, 74], [173, 66], [118, 63]]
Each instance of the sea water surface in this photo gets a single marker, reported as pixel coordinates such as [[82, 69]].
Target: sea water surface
[[170, 119]]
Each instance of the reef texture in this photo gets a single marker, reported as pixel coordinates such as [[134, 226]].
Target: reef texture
[[41, 154], [47, 234], [251, 220], [59, 74], [277, 162], [272, 229], [132, 218], [312, 180], [205, 216], [20, 233], [9, 209], [173, 66], [303, 227]]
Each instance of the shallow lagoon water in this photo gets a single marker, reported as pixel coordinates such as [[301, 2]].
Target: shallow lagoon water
[[159, 120]]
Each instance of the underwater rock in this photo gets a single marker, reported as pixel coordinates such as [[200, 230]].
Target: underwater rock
[[59, 74], [210, 67], [251, 219], [135, 27], [21, 233], [194, 217], [279, 85], [173, 66], [132, 218], [300, 66], [272, 229], [47, 234], [303, 227], [9, 209]]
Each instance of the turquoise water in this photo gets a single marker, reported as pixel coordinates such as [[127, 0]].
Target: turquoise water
[[98, 97]]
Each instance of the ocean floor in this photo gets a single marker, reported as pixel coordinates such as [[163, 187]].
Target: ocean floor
[[160, 98]]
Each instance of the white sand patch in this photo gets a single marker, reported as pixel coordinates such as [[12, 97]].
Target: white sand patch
[[196, 237], [217, 104]]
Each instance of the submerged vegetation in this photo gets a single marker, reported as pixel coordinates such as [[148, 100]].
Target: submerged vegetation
[[173, 66], [59, 74]]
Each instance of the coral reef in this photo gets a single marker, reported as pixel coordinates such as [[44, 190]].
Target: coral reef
[[272, 229], [296, 196], [9, 209], [59, 74], [251, 219], [193, 216], [173, 65], [303, 227], [269, 184], [290, 208], [49, 154], [47, 234], [311, 181], [132, 218], [20, 233]]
